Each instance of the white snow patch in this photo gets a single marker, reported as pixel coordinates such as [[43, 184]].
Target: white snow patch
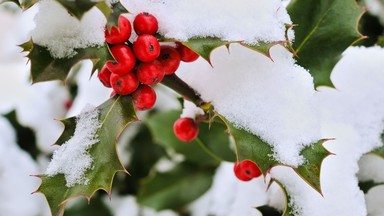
[[354, 115], [72, 158], [62, 33], [190, 110], [376, 8], [371, 168], [271, 99], [243, 20]]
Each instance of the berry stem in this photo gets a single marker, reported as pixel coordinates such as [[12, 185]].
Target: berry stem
[[178, 85]]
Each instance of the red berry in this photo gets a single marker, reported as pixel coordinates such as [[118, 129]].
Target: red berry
[[186, 54], [124, 84], [246, 170], [145, 23], [146, 48], [125, 60], [186, 129], [144, 98], [119, 34], [105, 77], [150, 73], [170, 59], [112, 94]]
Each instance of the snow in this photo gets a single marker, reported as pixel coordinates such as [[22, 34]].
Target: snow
[[62, 33], [369, 166], [72, 158], [246, 20], [262, 96], [190, 110], [353, 115]]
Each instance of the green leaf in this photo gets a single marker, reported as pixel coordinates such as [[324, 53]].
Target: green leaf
[[210, 147], [205, 46], [176, 188], [95, 208], [145, 153], [263, 47], [45, 68], [113, 14], [252, 147], [78, 7], [368, 185], [115, 115], [325, 29], [288, 211], [310, 170], [26, 138]]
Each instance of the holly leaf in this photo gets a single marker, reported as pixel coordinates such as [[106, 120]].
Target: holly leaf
[[252, 147], [115, 115], [204, 46], [97, 207], [45, 68], [77, 8], [288, 211], [175, 188], [325, 29], [112, 13], [263, 47], [210, 147]]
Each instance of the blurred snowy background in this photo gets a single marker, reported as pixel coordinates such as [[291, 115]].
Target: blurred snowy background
[[353, 114]]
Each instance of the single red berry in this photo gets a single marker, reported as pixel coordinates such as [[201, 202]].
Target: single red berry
[[68, 104], [150, 73], [186, 54], [186, 129], [169, 58], [144, 98], [124, 84], [146, 48], [246, 170], [125, 60], [119, 34], [145, 23], [105, 77]]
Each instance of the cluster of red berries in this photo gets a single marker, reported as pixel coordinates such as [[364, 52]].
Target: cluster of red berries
[[246, 170], [141, 64]]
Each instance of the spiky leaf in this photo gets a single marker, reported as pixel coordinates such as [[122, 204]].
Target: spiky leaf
[[78, 7], [310, 170], [176, 188], [115, 114], [112, 14], [45, 68], [325, 29], [263, 47], [249, 146], [210, 147]]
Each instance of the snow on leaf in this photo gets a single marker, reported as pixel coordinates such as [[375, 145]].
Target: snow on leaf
[[78, 7], [252, 147], [323, 33], [115, 115], [45, 68], [175, 188]]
